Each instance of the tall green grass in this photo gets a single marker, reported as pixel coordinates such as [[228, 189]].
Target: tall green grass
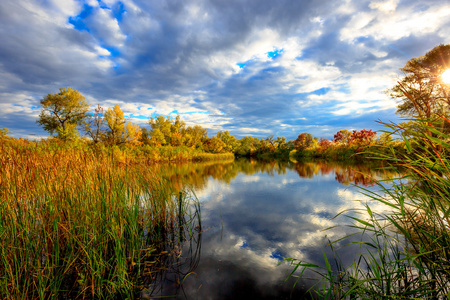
[[404, 250], [76, 224]]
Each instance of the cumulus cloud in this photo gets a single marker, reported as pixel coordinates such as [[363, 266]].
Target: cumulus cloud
[[245, 67]]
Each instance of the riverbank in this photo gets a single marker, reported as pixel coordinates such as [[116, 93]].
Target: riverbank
[[124, 154]]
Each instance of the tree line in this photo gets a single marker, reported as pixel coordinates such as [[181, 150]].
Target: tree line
[[66, 113]]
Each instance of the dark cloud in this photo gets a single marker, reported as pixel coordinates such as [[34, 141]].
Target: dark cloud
[[24, 125]]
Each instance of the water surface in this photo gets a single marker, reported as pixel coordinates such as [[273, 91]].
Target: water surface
[[255, 214]]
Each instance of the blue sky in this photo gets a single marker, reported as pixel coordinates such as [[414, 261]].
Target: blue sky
[[255, 68]]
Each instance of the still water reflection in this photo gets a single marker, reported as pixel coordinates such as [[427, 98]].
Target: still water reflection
[[256, 213]]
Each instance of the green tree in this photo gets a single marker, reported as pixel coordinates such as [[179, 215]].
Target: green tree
[[421, 92], [178, 125], [157, 138], [280, 142], [270, 144], [284, 147], [63, 112]]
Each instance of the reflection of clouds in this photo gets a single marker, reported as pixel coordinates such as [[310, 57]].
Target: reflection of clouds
[[227, 261], [250, 179], [349, 195], [213, 190], [274, 221], [285, 182], [261, 216]]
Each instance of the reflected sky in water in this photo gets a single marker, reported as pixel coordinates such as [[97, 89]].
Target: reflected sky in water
[[255, 214]]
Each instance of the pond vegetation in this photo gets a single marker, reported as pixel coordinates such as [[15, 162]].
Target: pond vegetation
[[77, 224]]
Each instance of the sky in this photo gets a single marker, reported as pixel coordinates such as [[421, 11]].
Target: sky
[[254, 67]]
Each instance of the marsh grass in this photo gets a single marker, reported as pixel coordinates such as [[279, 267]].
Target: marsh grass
[[403, 252], [77, 224]]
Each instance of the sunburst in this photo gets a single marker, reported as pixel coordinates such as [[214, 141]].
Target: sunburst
[[446, 76]]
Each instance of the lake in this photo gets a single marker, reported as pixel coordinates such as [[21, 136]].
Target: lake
[[253, 215]]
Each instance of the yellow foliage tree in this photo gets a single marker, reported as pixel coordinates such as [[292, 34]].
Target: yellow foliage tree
[[119, 131], [4, 133]]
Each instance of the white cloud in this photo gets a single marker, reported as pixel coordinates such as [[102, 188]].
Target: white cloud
[[102, 51], [384, 6], [22, 109], [106, 27], [393, 27]]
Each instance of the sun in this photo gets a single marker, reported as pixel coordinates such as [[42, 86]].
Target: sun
[[446, 76]]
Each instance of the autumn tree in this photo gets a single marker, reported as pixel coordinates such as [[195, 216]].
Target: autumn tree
[[168, 131], [118, 130], [342, 137], [303, 141], [95, 125], [270, 144], [363, 137], [324, 143], [195, 136], [247, 146], [215, 145], [231, 143], [421, 92], [4, 132], [384, 138], [162, 130], [145, 136], [63, 112]]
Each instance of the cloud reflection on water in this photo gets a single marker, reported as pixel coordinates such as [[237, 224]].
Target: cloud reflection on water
[[261, 213]]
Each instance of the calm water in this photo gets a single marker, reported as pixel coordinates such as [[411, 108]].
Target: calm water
[[254, 214]]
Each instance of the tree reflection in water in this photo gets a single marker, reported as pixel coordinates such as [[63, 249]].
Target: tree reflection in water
[[358, 174], [196, 175]]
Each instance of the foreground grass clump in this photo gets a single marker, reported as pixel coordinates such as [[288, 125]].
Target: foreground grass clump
[[75, 223], [405, 249]]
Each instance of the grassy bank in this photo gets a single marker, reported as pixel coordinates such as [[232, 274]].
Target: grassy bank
[[80, 223], [123, 154], [343, 152]]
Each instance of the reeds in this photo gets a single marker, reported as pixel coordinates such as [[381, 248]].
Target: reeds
[[403, 251], [76, 223]]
